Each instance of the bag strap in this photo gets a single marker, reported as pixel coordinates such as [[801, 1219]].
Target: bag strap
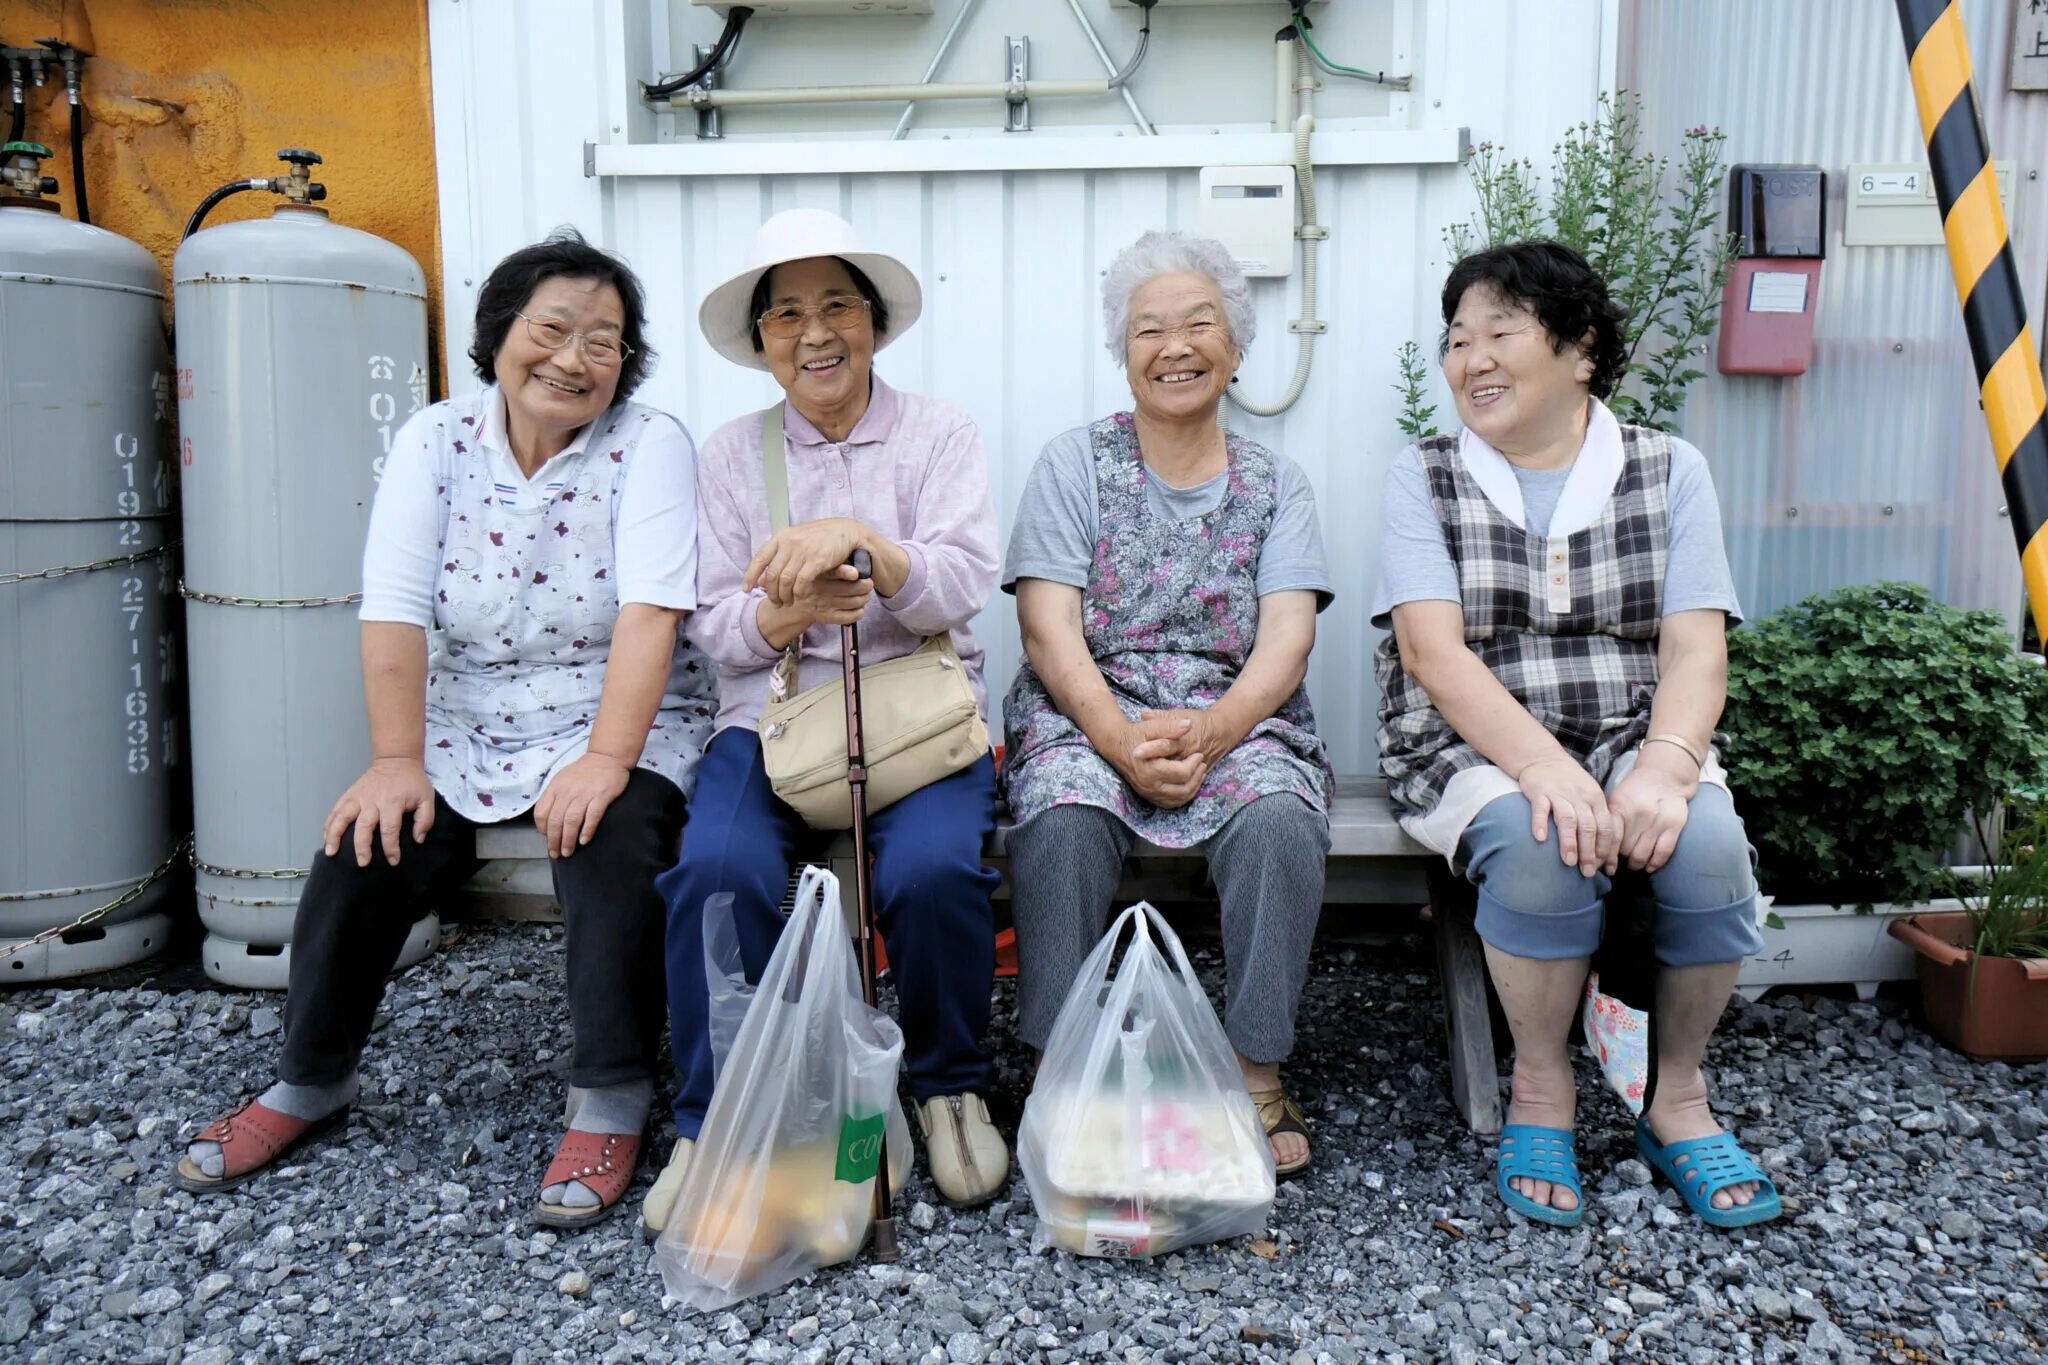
[[775, 478], [775, 470]]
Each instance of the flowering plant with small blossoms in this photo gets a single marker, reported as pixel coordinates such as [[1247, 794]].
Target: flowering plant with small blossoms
[[1648, 223]]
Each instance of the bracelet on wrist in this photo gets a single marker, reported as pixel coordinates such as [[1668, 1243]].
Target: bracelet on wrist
[[1699, 760]]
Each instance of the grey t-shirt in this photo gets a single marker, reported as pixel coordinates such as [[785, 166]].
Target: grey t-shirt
[[1416, 564], [1058, 521]]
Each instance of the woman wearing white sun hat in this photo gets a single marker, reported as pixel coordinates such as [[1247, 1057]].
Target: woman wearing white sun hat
[[905, 478]]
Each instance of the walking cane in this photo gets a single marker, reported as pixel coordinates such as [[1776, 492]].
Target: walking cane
[[857, 782]]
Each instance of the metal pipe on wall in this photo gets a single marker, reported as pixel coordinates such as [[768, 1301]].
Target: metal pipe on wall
[[1301, 84], [1109, 65], [696, 97], [945, 46]]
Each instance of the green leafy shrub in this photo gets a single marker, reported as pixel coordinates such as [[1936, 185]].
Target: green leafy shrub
[[1863, 725]]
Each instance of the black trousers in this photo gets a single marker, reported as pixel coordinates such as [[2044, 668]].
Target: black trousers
[[352, 922]]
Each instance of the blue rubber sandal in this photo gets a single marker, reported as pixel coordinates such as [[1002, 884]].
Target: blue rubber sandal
[[1536, 1153], [1712, 1164]]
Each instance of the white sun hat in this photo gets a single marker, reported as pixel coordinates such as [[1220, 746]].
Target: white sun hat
[[796, 235]]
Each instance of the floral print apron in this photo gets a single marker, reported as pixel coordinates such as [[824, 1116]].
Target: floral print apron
[[1170, 615], [524, 607]]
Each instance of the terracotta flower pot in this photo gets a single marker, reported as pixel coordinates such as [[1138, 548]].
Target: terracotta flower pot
[[2002, 1014]]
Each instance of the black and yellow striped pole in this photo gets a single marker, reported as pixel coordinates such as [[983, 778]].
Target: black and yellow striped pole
[[1987, 280]]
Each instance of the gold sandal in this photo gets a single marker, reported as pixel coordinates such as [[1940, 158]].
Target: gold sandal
[[1278, 1113]]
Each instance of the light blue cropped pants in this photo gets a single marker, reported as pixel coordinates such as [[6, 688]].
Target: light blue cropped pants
[[1532, 905]]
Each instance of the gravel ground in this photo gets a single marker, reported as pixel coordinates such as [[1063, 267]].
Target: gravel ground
[[1916, 1185]]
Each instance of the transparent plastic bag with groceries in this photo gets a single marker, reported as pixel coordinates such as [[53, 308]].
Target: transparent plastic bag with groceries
[[1139, 1137], [781, 1181]]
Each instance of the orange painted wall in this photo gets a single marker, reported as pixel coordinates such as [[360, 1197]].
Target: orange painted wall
[[184, 95]]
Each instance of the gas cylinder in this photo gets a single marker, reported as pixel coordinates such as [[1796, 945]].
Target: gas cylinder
[[89, 749], [301, 349]]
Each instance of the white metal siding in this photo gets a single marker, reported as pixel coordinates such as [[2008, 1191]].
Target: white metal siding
[[1010, 261], [1887, 418]]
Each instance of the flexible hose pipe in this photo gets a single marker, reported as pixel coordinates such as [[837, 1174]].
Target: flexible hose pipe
[[1306, 327]]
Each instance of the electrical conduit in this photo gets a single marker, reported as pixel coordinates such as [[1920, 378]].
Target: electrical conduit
[[1305, 327]]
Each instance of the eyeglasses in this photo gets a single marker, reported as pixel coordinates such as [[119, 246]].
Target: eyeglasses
[[1200, 330], [789, 320], [599, 350]]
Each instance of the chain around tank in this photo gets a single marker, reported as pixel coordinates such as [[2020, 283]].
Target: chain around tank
[[182, 849], [224, 600], [243, 874], [65, 571]]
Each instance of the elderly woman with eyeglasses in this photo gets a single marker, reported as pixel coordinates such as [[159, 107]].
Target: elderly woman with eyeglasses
[[532, 549], [1168, 577], [903, 477]]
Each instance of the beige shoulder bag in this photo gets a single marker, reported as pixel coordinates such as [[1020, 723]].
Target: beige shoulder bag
[[918, 717]]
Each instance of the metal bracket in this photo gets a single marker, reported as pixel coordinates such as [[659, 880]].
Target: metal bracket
[[589, 160], [707, 117], [1017, 53]]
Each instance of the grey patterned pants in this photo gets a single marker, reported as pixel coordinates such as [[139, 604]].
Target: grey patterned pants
[[1267, 864]]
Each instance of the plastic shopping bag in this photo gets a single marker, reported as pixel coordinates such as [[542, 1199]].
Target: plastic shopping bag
[[782, 1180], [1139, 1137], [1618, 1036]]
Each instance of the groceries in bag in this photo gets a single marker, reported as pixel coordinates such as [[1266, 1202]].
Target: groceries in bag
[[782, 1178], [1139, 1137]]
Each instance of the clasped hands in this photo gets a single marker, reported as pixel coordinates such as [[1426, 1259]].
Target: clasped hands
[[1166, 755], [805, 568], [1639, 821]]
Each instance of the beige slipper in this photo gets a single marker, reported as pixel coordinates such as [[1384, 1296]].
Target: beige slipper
[[661, 1199], [969, 1160]]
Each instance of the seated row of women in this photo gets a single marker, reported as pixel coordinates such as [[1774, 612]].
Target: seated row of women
[[570, 614]]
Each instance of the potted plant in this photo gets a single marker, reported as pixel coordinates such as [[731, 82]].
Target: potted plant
[[1984, 970], [1863, 727]]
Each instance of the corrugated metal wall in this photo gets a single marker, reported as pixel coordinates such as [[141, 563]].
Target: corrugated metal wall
[[1874, 464], [1010, 261]]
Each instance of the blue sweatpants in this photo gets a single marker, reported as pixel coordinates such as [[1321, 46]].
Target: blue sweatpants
[[931, 902]]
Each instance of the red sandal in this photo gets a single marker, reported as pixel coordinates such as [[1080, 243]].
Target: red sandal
[[252, 1138], [602, 1162]]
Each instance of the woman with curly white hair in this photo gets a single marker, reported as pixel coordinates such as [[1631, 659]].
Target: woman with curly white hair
[[1168, 576]]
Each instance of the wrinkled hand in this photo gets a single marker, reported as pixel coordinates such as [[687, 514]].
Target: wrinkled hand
[[1203, 735], [376, 804], [837, 597], [799, 555], [1150, 756], [1651, 808], [1587, 833], [575, 800]]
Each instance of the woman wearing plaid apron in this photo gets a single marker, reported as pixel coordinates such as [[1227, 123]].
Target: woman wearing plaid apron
[[1559, 599]]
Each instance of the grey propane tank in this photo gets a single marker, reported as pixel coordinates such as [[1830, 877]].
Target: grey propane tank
[[302, 348], [89, 748]]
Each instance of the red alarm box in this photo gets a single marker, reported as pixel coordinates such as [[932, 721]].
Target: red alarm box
[[1779, 217]]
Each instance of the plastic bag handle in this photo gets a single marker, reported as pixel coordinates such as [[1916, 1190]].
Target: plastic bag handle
[[804, 916], [1142, 912]]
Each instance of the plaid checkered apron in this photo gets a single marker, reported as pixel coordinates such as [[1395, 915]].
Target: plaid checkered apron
[[1586, 669]]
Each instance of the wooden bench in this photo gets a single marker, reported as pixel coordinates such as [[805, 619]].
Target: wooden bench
[[1372, 862]]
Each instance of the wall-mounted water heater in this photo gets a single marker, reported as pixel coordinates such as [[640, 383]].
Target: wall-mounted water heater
[[1250, 209]]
